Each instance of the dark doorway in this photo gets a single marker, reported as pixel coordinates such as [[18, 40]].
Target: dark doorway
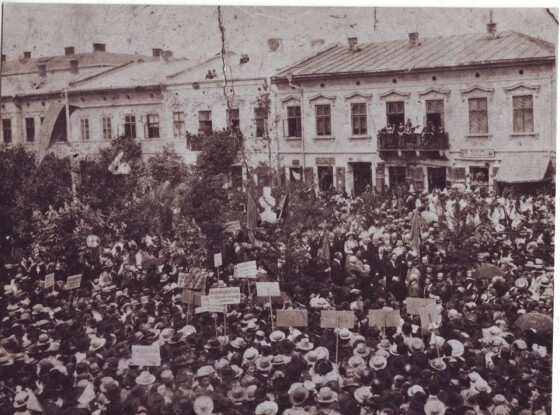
[[436, 178], [362, 177], [479, 174], [326, 178], [397, 176]]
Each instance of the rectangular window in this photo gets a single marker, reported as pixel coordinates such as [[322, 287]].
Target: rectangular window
[[478, 116], [395, 113], [107, 128], [359, 119], [205, 121], [295, 174], [523, 114], [30, 129], [7, 130], [326, 177], [152, 126], [294, 121], [178, 124], [233, 118], [434, 113], [130, 126], [323, 117], [260, 119], [84, 128]]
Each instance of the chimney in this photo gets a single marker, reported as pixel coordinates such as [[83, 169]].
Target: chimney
[[413, 39], [491, 29], [3, 58], [99, 47], [26, 55], [156, 52], [42, 70], [74, 66], [352, 43], [69, 50], [166, 56]]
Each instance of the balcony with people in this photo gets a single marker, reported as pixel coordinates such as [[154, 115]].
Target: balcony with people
[[405, 137]]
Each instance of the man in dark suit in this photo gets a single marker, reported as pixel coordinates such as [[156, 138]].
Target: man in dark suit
[[378, 260], [337, 271]]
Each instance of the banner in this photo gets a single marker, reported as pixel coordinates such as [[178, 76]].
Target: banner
[[194, 280], [73, 282], [218, 260], [225, 296], [331, 319], [413, 304], [268, 289], [246, 270], [292, 318], [384, 318], [146, 355], [49, 280]]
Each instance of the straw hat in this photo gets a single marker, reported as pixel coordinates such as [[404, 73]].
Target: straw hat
[[145, 378], [378, 362], [266, 408], [203, 405]]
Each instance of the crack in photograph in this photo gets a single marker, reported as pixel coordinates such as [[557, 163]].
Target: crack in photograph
[[238, 210]]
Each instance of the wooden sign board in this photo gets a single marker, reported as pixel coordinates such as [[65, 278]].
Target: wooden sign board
[[146, 355], [218, 260], [191, 297], [49, 280], [384, 318], [268, 289], [292, 318], [73, 282], [195, 280], [246, 270], [413, 304], [225, 296], [209, 309], [429, 316], [331, 319]]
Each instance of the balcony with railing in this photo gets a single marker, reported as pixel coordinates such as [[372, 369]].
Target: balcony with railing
[[412, 141]]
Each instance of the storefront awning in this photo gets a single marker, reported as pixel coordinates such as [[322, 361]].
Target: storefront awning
[[523, 168]]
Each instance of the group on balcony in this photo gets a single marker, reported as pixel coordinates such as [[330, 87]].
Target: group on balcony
[[405, 137]]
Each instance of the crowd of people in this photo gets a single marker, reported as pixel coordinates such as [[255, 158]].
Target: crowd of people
[[488, 353], [404, 136]]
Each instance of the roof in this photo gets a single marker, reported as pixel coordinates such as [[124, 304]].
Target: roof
[[22, 77], [523, 168], [56, 63], [435, 52], [131, 75], [255, 67]]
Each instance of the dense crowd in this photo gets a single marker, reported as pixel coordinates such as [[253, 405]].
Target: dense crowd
[[489, 353]]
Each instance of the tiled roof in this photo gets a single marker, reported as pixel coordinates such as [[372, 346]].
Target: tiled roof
[[435, 52]]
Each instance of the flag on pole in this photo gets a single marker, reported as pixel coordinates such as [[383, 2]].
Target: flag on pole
[[326, 248], [415, 232], [283, 210], [252, 217]]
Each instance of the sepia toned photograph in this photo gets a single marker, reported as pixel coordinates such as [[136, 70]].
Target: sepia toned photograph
[[264, 210]]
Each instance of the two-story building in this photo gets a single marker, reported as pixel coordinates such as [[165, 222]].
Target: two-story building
[[424, 111], [37, 107]]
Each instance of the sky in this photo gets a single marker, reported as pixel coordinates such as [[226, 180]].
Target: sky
[[192, 32]]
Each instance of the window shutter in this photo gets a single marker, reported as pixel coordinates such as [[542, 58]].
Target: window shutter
[[494, 171], [417, 174]]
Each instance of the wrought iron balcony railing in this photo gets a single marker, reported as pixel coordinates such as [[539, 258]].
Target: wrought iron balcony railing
[[413, 142]]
